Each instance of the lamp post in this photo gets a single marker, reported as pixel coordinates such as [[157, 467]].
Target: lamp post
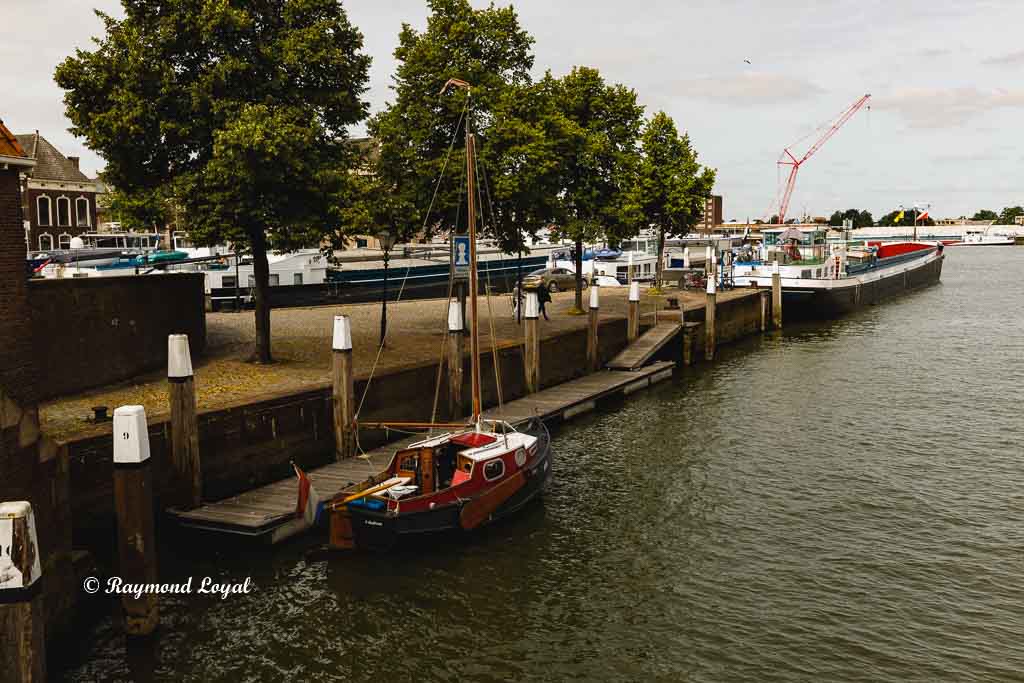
[[387, 241]]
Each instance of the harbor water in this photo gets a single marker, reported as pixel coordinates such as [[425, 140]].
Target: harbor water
[[841, 501]]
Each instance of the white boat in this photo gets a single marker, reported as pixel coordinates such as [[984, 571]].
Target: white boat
[[983, 238]]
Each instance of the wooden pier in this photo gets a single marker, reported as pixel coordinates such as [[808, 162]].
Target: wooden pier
[[267, 512], [643, 349]]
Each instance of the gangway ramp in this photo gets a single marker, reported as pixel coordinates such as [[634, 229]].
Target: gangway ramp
[[646, 345]]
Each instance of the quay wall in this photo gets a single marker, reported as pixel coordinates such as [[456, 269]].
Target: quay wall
[[248, 445], [88, 332]]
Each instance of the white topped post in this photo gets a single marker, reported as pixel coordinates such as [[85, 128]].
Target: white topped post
[[686, 257], [776, 295], [710, 309], [531, 347], [186, 487], [633, 318], [342, 389], [22, 617], [133, 501], [455, 358], [455, 316], [593, 360]]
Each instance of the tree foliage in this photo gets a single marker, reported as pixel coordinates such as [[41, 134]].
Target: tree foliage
[[861, 219], [671, 187], [1008, 215], [985, 215], [237, 110], [889, 219]]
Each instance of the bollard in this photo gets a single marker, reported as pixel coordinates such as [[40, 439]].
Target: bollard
[[686, 257], [633, 326], [531, 354], [456, 351], [133, 501], [342, 389], [763, 296], [776, 295], [22, 626], [593, 361], [709, 321], [187, 484]]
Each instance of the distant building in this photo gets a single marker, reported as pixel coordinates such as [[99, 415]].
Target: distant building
[[963, 220], [60, 200], [712, 214], [1019, 220]]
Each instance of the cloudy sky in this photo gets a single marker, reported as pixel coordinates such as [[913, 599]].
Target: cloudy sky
[[946, 79]]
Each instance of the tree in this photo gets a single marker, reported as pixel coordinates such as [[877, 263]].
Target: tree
[[889, 219], [598, 162], [238, 111], [861, 219], [1008, 216], [985, 215], [671, 186], [488, 49]]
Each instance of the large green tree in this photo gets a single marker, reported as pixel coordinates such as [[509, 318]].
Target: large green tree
[[1008, 215], [671, 187], [235, 109], [486, 48], [598, 161], [985, 215], [860, 219]]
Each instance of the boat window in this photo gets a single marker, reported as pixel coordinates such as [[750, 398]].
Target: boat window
[[296, 278], [494, 469], [227, 281], [275, 279]]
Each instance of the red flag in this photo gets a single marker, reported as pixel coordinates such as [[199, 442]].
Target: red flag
[[308, 506]]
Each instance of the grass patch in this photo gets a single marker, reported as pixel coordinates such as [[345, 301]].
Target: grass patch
[[574, 311]]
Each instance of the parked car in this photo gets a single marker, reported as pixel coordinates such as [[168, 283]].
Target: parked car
[[555, 279]]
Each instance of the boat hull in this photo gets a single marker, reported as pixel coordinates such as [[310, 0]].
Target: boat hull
[[381, 530]]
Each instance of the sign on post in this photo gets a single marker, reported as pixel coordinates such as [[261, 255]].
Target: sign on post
[[460, 256]]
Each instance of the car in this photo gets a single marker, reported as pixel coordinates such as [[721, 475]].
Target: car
[[555, 279]]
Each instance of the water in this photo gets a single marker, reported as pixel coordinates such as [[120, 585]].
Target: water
[[843, 501]]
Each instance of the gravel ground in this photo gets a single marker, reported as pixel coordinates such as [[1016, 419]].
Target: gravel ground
[[301, 347]]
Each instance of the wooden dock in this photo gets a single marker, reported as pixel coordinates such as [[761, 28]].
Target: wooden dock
[[643, 349], [267, 512]]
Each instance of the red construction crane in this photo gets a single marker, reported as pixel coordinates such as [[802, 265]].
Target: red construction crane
[[795, 163]]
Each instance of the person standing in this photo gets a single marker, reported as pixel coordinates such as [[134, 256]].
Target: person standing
[[543, 297]]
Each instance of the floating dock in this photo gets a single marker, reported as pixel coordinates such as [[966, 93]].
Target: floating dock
[[268, 512], [646, 345]]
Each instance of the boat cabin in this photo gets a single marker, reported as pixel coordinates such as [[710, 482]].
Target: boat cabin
[[793, 244]]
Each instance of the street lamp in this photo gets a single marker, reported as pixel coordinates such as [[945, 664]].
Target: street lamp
[[387, 241]]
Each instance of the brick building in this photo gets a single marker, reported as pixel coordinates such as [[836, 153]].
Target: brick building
[[59, 200], [712, 215]]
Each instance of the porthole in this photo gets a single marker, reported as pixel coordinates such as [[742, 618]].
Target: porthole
[[494, 469]]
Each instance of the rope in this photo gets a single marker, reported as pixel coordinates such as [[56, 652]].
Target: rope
[[490, 311]]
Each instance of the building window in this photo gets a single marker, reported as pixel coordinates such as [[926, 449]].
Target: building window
[[43, 210], [45, 242], [63, 212], [64, 240], [297, 278], [82, 217]]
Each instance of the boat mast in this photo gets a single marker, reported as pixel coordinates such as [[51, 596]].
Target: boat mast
[[474, 330]]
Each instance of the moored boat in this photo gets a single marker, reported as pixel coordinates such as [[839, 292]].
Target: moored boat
[[984, 238]]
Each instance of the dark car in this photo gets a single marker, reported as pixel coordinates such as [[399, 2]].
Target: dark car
[[555, 279]]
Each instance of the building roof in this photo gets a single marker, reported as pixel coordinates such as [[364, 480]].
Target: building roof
[[50, 163], [9, 146]]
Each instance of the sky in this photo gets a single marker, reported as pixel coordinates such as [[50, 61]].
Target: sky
[[946, 80]]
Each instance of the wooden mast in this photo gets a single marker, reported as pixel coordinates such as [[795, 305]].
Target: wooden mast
[[474, 330]]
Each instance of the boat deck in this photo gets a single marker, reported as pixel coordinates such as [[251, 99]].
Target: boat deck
[[267, 512]]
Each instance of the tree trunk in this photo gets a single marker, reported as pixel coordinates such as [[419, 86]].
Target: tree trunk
[[661, 257], [579, 273], [261, 273]]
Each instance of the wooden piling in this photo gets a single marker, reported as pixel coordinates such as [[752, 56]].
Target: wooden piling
[[531, 352], [593, 360], [763, 296], [633, 326], [187, 484], [22, 625], [709, 321], [343, 408], [776, 296], [456, 352], [133, 501]]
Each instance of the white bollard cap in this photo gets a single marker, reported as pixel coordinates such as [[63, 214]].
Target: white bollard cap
[[775, 267], [179, 358], [342, 339], [13, 576], [454, 316], [711, 285], [131, 436], [594, 296], [532, 305], [634, 291]]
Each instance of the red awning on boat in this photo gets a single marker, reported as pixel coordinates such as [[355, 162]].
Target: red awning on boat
[[473, 439]]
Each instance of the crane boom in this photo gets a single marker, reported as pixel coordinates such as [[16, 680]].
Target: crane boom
[[795, 163]]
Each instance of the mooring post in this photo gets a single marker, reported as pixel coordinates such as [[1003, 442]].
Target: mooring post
[[133, 500], [709, 321], [22, 625], [342, 389], [686, 257], [633, 326], [187, 487], [531, 354], [763, 297], [776, 295], [593, 361], [456, 351]]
